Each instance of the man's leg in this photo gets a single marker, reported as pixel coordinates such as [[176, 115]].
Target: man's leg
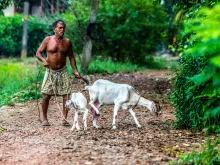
[[45, 104], [65, 110]]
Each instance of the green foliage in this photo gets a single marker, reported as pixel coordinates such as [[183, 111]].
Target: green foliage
[[197, 85], [132, 30], [5, 3], [11, 34], [17, 81], [209, 155]]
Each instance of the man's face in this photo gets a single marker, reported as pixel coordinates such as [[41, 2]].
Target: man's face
[[60, 29]]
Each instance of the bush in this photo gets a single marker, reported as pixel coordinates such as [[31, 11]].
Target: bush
[[196, 93], [11, 34], [132, 30]]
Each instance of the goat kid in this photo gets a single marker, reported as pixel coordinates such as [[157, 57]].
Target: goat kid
[[104, 92], [78, 102]]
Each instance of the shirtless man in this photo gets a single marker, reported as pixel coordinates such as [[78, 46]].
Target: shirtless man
[[56, 80]]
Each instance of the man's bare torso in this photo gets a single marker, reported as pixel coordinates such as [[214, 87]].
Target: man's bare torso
[[57, 51]]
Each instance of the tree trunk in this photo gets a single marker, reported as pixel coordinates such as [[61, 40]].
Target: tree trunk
[[25, 31], [87, 49]]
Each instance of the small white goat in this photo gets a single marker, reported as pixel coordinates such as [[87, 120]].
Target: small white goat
[[78, 101], [104, 92]]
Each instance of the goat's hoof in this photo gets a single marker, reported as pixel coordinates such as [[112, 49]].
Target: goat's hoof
[[97, 126], [139, 126], [114, 127]]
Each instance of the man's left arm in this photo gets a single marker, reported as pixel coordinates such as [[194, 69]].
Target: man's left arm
[[72, 60]]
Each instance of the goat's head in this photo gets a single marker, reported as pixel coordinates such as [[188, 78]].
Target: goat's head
[[156, 108]]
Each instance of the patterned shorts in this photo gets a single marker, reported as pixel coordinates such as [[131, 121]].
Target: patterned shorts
[[56, 82]]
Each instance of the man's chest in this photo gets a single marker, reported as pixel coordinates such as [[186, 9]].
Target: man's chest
[[60, 46]]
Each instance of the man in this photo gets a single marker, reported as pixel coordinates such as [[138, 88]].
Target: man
[[56, 81]]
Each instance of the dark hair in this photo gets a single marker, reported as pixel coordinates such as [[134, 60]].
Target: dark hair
[[58, 21]]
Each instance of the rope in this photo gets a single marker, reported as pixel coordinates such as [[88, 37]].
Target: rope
[[36, 94]]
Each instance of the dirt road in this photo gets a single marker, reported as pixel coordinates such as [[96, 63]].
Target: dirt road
[[24, 142]]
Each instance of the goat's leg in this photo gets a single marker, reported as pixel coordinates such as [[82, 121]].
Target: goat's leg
[[77, 122], [94, 107], [94, 122], [74, 122], [116, 108], [85, 115], [134, 116]]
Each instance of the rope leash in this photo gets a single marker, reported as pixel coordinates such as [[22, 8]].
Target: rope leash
[[36, 94]]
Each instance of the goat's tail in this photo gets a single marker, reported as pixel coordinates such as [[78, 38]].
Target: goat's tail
[[87, 88]]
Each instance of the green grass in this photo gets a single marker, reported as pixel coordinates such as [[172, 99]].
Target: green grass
[[17, 80], [108, 66]]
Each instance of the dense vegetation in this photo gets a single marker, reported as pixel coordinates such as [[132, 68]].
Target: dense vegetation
[[197, 85], [11, 35]]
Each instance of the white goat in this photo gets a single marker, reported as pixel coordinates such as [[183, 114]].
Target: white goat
[[104, 92], [78, 101]]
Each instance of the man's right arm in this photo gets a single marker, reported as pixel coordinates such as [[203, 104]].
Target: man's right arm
[[40, 51]]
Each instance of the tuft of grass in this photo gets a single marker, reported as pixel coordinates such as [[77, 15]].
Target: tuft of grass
[[108, 66]]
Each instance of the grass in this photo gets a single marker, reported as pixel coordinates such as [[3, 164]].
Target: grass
[[18, 77], [108, 67], [15, 76]]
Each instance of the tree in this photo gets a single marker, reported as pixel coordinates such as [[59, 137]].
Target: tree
[[87, 49]]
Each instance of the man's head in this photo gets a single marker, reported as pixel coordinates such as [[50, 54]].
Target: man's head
[[59, 27]]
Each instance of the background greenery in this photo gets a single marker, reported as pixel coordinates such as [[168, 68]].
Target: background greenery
[[11, 35], [197, 85]]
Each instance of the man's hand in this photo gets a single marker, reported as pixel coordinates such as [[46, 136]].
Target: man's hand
[[77, 75], [45, 64]]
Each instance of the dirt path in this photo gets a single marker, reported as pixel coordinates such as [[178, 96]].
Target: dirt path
[[24, 141]]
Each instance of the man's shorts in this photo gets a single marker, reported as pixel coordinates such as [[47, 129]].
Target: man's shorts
[[56, 82]]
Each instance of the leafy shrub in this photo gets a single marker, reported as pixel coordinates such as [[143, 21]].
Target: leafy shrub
[[209, 155], [197, 85], [132, 30], [11, 34]]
